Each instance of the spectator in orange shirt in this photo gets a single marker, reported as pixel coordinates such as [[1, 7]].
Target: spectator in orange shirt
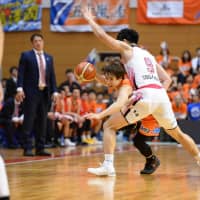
[[63, 122], [164, 57], [100, 106], [179, 107], [84, 131]]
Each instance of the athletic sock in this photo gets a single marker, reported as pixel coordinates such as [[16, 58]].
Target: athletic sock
[[108, 159]]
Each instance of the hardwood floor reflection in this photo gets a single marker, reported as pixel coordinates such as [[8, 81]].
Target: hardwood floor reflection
[[65, 177]]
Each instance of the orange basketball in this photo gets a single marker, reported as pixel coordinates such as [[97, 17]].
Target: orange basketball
[[85, 72]]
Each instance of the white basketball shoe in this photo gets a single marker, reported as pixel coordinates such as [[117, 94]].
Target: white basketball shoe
[[103, 170]]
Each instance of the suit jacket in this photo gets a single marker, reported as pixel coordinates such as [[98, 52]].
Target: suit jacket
[[11, 87], [28, 74]]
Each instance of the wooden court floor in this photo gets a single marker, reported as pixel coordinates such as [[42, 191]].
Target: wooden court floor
[[64, 176]]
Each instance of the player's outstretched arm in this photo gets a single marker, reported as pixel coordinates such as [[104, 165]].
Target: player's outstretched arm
[[122, 98], [101, 34]]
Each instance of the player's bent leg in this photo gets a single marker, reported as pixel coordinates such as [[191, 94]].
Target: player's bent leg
[[110, 127], [4, 190], [184, 139]]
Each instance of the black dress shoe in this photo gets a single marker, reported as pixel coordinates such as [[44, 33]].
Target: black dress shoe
[[28, 152], [42, 153]]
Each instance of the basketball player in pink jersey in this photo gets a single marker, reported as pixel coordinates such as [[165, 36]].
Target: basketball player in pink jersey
[[150, 96], [4, 190]]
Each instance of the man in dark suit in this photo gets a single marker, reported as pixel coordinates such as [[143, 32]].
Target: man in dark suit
[[35, 85], [11, 83]]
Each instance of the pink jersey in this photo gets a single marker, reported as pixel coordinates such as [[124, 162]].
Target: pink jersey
[[141, 69]]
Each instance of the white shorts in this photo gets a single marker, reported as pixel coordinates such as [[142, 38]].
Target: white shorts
[[155, 102]]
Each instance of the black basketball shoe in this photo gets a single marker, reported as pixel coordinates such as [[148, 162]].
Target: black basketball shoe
[[151, 165]]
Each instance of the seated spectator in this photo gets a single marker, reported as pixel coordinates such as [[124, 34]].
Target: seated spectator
[[193, 108], [196, 61], [164, 57], [95, 124], [70, 81], [185, 66], [62, 118], [11, 119], [179, 107], [11, 83], [85, 130], [100, 106], [3, 83]]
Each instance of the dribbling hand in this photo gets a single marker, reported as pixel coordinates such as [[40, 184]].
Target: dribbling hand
[[92, 116]]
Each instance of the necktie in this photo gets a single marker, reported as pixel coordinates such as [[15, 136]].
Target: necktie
[[42, 81]]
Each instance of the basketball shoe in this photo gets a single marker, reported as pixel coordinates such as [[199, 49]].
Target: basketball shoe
[[151, 165], [103, 170]]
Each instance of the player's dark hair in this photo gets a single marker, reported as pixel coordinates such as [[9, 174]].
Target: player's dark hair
[[130, 35], [116, 69]]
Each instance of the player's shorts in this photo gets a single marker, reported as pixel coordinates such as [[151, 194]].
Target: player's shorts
[[152, 101]]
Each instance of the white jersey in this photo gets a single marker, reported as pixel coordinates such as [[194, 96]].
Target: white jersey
[[141, 68], [150, 98]]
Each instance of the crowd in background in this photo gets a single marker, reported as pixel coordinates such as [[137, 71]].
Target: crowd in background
[[65, 123]]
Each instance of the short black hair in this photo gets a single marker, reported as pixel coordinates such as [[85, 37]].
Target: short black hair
[[36, 35], [130, 35], [68, 71], [12, 69], [116, 69]]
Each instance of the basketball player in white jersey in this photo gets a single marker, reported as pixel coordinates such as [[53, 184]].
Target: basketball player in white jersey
[[4, 190], [149, 98]]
